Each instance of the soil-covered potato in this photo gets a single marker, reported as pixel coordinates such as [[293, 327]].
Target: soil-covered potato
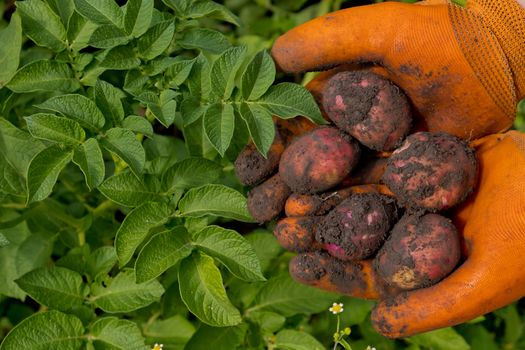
[[421, 250], [252, 167], [297, 234], [358, 226], [431, 171], [267, 200], [368, 107], [318, 160]]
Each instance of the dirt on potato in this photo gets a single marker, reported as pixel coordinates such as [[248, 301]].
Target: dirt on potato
[[421, 250], [266, 201], [252, 167], [431, 171], [369, 107], [358, 226]]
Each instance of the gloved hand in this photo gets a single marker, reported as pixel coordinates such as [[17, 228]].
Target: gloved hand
[[462, 68], [463, 71]]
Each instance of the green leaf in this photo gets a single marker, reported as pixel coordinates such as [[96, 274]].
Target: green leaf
[[224, 70], [199, 80], [441, 339], [63, 8], [112, 333], [232, 250], [9, 255], [268, 321], [178, 72], [107, 98], [88, 157], [55, 287], [513, 323], [136, 226], [164, 107], [216, 200], [191, 172], [211, 10], [101, 261], [44, 331], [161, 331], [120, 58], [258, 76], [205, 39], [156, 40], [266, 247], [137, 17], [18, 147], [11, 39], [219, 125], [135, 81], [288, 100], [79, 31], [50, 127], [44, 170], [224, 338], [192, 110], [289, 339], [101, 11], [108, 36], [202, 291], [4, 242], [127, 190], [479, 338], [123, 143], [78, 108], [163, 250], [122, 294], [287, 297], [42, 24], [44, 76], [138, 125], [260, 125]]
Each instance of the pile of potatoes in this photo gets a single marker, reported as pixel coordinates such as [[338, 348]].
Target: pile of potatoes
[[366, 186]]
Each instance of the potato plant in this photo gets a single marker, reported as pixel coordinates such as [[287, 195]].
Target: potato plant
[[122, 223]]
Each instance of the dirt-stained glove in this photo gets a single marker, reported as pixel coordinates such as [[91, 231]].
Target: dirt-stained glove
[[462, 68]]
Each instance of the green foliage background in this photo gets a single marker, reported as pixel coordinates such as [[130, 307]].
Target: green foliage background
[[121, 221]]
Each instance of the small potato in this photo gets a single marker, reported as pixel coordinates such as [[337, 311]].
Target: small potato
[[267, 200], [251, 167], [420, 251], [431, 171], [297, 234], [357, 227], [318, 160], [368, 107]]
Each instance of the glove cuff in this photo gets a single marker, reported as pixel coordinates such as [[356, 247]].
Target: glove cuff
[[491, 35]]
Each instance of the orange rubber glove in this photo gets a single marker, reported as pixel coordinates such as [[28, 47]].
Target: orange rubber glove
[[462, 68], [493, 274]]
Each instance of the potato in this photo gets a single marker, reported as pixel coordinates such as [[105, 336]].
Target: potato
[[368, 107], [266, 201], [318, 160], [357, 227], [251, 166], [421, 250], [431, 171]]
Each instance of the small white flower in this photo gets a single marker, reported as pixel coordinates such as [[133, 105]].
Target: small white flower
[[158, 346], [369, 348], [336, 308]]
